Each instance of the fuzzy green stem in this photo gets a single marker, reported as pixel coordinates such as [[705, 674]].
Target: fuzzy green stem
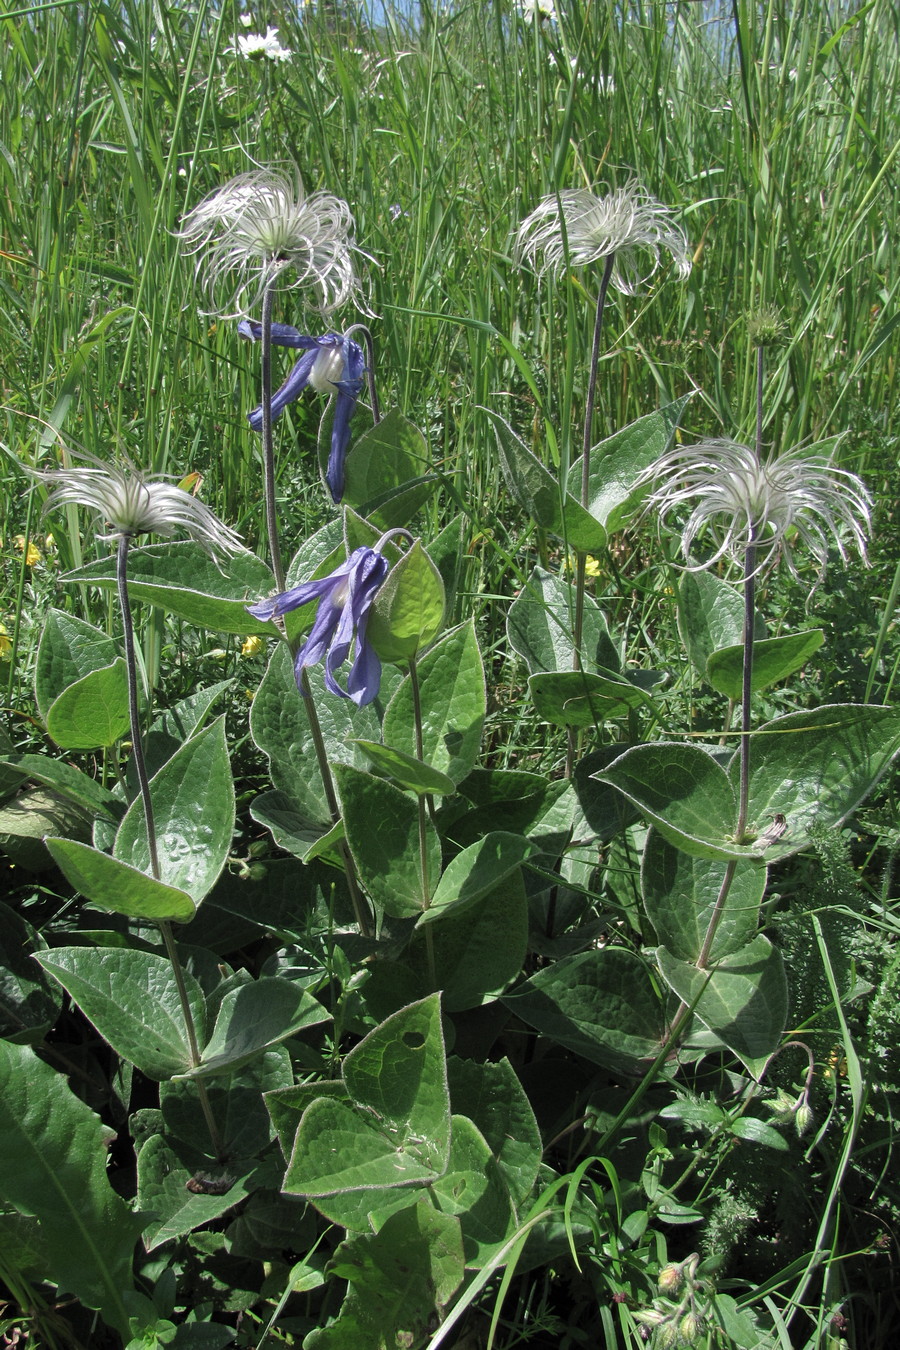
[[586, 441], [592, 382], [715, 918], [746, 685], [137, 738], [423, 821], [360, 909], [268, 452], [137, 745], [193, 1048]]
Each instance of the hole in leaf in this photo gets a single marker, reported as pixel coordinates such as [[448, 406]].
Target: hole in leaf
[[414, 1039]]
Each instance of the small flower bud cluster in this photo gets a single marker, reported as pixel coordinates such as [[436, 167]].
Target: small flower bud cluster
[[786, 1109], [675, 1325]]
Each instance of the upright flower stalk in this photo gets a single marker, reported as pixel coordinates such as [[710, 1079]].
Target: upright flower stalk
[[137, 738], [268, 443], [133, 504], [575, 228], [263, 233], [137, 749], [756, 511]]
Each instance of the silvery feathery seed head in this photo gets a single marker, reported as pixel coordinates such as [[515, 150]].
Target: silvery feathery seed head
[[260, 227], [576, 228], [800, 496], [134, 503]]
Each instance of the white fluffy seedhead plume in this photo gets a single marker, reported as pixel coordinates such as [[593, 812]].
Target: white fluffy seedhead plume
[[260, 229], [576, 228], [799, 497], [133, 503]]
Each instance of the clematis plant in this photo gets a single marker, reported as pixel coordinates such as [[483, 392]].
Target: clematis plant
[[132, 504], [576, 228], [333, 364], [264, 231], [756, 511]]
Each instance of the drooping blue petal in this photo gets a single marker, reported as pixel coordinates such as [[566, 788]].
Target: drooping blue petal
[[365, 581], [345, 598], [348, 391], [282, 604], [321, 636], [339, 650], [364, 679], [292, 388], [283, 334]]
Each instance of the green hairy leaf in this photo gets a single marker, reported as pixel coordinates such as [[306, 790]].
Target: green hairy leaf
[[182, 579], [53, 1166]]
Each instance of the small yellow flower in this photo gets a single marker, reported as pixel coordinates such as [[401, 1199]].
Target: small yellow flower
[[5, 643], [191, 483], [591, 567], [252, 646], [29, 548]]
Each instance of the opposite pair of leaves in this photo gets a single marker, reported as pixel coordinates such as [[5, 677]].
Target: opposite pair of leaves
[[370, 1144], [604, 1005], [741, 995], [711, 624], [173, 1146], [811, 768], [131, 997], [616, 464], [193, 807]]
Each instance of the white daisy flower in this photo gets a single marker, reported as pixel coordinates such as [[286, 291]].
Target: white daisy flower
[[544, 9], [624, 223], [259, 227], [256, 46]]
